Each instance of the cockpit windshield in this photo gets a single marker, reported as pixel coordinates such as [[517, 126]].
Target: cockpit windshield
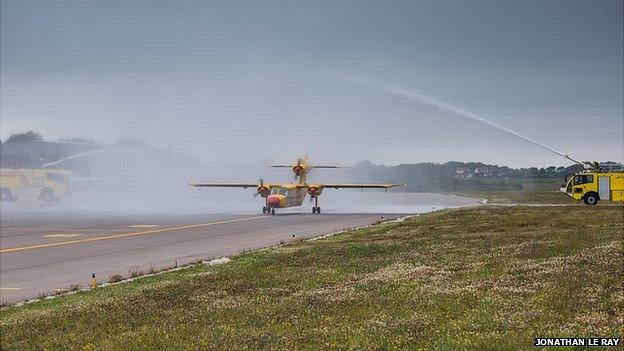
[[279, 191]]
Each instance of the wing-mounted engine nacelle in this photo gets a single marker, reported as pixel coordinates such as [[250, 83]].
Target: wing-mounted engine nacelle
[[315, 190]]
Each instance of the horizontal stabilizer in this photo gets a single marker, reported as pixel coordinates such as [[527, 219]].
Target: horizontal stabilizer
[[360, 186], [330, 167]]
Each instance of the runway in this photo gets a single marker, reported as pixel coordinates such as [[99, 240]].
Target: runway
[[39, 256], [44, 247]]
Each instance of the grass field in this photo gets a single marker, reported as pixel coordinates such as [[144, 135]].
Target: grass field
[[523, 197], [535, 191], [478, 278]]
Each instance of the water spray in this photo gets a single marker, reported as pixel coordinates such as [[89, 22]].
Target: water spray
[[426, 100], [75, 156]]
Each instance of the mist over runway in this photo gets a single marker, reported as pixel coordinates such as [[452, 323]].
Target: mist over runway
[[186, 200], [44, 247]]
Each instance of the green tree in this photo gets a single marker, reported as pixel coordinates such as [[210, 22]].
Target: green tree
[[27, 137]]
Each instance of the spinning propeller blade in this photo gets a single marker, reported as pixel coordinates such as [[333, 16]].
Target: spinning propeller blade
[[261, 185]]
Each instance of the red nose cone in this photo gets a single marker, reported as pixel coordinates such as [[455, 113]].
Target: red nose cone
[[273, 201]]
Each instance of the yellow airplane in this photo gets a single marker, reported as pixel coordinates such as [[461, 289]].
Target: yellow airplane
[[278, 195]]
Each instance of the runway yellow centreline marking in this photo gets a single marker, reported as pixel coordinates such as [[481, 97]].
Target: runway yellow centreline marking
[[40, 229], [11, 289], [117, 236], [144, 226], [61, 235]]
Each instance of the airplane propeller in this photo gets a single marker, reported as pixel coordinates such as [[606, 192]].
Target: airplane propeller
[[259, 187], [298, 169], [262, 190]]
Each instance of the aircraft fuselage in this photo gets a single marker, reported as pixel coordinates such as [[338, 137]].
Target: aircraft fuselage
[[283, 197]]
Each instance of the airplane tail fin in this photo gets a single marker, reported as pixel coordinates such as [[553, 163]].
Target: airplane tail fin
[[301, 168]]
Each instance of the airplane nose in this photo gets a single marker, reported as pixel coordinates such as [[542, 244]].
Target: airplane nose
[[273, 201]]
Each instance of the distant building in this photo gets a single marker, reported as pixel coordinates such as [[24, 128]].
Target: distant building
[[483, 171], [462, 170]]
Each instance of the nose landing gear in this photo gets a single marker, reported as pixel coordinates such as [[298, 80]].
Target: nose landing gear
[[268, 210]]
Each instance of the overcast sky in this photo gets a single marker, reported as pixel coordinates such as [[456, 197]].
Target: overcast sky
[[272, 80]]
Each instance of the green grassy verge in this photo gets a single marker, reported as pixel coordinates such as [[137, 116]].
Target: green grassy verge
[[478, 278], [522, 197], [535, 191]]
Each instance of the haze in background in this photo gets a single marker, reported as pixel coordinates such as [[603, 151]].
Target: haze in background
[[246, 80]]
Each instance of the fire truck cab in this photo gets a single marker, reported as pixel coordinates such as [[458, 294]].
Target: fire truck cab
[[595, 185]]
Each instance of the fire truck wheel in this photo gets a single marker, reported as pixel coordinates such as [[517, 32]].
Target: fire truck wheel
[[591, 199], [5, 195], [47, 195]]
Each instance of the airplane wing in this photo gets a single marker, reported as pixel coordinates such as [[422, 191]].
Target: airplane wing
[[359, 186], [225, 185], [315, 166], [335, 186]]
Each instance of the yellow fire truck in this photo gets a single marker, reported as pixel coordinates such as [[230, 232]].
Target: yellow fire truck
[[44, 184], [593, 185]]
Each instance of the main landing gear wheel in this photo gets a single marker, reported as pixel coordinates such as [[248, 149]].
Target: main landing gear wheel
[[272, 212], [316, 208], [5, 195], [265, 209], [47, 195]]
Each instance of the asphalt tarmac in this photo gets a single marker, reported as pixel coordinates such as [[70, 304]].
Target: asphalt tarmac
[[45, 247], [45, 254]]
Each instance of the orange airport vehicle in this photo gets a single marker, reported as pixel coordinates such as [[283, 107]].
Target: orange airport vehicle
[[44, 184], [278, 195], [597, 182]]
